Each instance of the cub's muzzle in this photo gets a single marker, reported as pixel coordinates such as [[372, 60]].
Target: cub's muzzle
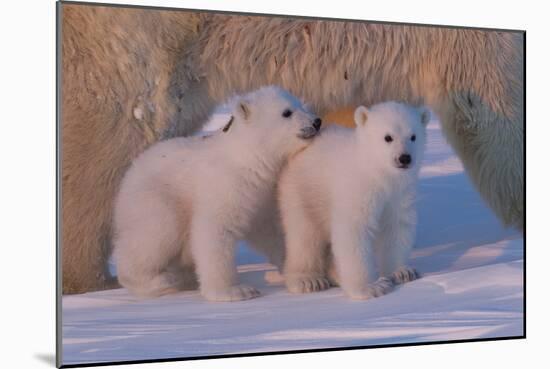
[[310, 131], [403, 161]]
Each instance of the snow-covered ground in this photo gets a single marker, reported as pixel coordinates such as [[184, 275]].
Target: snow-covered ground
[[472, 287]]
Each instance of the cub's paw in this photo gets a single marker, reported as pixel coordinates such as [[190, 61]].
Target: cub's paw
[[379, 288], [233, 293], [404, 275], [307, 284]]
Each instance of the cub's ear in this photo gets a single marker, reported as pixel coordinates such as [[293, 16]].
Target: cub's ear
[[425, 115], [361, 114], [243, 109], [228, 124]]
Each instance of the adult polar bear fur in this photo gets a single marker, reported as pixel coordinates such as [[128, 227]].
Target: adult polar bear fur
[[185, 202], [132, 76], [359, 207]]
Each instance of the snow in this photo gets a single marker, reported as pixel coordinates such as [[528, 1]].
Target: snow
[[472, 287]]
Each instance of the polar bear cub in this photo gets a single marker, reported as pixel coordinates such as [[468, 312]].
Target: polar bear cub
[[185, 202], [349, 199]]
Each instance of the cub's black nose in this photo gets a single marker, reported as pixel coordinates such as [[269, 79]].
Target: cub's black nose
[[405, 159], [317, 123]]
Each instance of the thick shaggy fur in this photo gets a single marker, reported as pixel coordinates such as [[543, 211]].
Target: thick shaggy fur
[[117, 67], [185, 202], [359, 207], [131, 76]]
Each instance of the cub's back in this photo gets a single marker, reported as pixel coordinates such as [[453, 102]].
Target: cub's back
[[164, 169], [309, 177]]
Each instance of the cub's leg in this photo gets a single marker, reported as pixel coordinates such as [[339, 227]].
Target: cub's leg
[[354, 256], [304, 269], [395, 242], [146, 242], [213, 249], [305, 258]]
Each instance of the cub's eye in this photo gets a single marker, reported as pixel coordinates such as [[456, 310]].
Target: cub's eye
[[413, 138], [287, 113], [388, 138]]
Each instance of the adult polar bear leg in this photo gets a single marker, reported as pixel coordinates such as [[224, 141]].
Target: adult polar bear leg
[[490, 146], [118, 68], [213, 249]]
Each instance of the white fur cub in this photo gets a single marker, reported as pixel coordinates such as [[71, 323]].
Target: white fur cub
[[185, 202], [351, 194]]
